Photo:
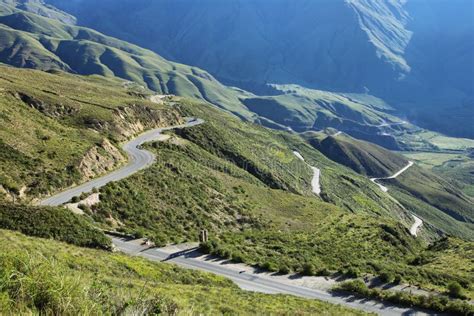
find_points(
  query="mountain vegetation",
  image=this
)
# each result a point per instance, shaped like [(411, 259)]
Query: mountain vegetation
[(362, 157), (33, 38), (52, 223), (81, 94), (416, 55), (48, 277), (52, 124)]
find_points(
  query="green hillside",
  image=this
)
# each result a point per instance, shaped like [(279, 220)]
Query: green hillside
[(48, 277), (362, 157), (53, 125), (236, 179), (458, 166), (436, 200), (390, 48), (305, 109), (244, 186), (29, 40)]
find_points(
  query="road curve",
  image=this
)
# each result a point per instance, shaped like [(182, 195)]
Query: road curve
[(315, 184), (257, 282), (384, 188), (138, 160), (418, 222)]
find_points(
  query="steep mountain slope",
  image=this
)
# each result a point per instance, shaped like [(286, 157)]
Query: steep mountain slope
[(32, 41), (417, 55), (362, 157), (252, 45), (238, 180), (433, 198), (60, 129), (302, 109), (38, 7)]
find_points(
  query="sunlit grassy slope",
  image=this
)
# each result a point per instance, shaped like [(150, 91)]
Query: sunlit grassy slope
[(49, 277), (49, 121), (33, 41), (361, 156)]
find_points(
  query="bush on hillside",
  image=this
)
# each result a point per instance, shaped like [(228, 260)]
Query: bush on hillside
[(436, 303), (52, 222), (455, 290)]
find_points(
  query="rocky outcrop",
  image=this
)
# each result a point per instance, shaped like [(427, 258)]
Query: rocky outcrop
[(134, 119), (100, 159)]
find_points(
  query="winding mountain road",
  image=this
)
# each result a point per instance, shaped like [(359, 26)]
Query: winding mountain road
[(384, 188), (138, 159), (418, 222), (316, 186)]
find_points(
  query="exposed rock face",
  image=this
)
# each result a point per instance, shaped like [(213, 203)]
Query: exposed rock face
[(133, 119), (100, 159), (89, 201), (4, 193)]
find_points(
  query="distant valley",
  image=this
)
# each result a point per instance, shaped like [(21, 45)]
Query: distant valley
[(286, 155)]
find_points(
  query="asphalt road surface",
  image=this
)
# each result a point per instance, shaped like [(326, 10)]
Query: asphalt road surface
[(138, 160), (258, 283)]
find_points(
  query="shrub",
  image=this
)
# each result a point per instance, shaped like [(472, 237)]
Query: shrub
[(387, 277), (352, 272), (398, 279), (138, 234), (270, 266), (455, 290), (323, 272), (284, 269), (75, 199), (308, 269), (237, 257), (441, 303), (356, 286)]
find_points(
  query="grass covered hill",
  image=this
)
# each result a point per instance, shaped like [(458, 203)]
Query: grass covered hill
[(245, 186), (436, 200), (239, 180), (304, 109), (49, 277), (53, 126), (361, 156), (30, 40), (34, 38), (52, 223)]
